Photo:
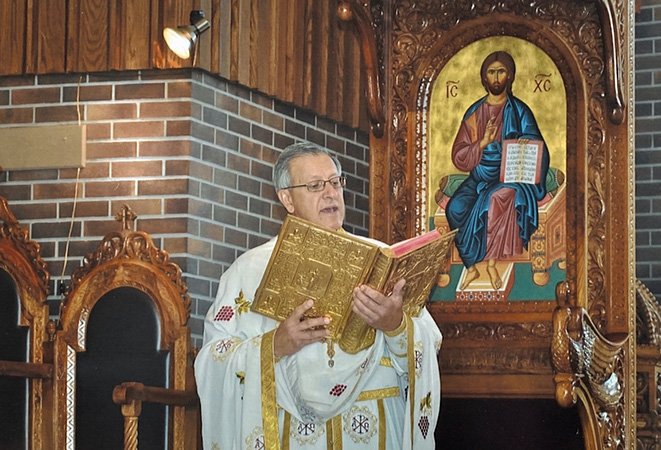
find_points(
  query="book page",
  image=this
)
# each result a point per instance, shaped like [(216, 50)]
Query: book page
[(521, 162), (407, 245)]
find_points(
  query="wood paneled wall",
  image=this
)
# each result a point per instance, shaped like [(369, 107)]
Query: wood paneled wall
[(298, 51)]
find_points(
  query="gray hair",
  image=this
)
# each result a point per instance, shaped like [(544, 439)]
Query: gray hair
[(281, 176)]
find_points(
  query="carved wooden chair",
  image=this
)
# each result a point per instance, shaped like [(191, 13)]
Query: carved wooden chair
[(648, 369), (26, 369), (123, 350)]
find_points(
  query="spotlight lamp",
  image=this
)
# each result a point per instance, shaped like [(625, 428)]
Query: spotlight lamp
[(182, 39)]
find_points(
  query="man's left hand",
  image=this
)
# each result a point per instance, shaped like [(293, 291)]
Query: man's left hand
[(377, 310)]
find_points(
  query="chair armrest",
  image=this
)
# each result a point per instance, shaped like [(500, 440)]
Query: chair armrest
[(26, 370), (132, 391)]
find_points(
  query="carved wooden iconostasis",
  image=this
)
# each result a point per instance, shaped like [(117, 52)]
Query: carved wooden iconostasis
[(556, 326)]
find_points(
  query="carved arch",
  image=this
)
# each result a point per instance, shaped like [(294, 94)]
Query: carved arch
[(20, 257), (127, 259)]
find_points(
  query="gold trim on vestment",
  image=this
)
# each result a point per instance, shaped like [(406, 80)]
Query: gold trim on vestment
[(385, 361), (411, 366), (397, 330), (334, 433), (269, 405), (286, 428), (378, 394), (382, 423)]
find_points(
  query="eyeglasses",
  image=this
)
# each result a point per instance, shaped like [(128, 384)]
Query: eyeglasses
[(319, 185)]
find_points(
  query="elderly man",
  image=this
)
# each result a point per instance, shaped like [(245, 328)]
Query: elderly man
[(265, 384)]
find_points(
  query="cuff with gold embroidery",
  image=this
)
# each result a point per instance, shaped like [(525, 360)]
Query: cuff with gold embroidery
[(397, 331)]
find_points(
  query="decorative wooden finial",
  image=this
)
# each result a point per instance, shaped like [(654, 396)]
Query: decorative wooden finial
[(127, 217)]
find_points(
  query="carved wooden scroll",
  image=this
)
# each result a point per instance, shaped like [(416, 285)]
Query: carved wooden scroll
[(589, 371), (349, 10), (648, 369)]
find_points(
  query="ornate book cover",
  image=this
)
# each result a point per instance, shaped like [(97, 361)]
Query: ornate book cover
[(521, 163), (313, 262)]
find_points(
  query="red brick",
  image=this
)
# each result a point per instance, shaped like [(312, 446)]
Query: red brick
[(163, 187), (139, 129), (227, 103), (165, 109), (139, 91), (137, 168), (273, 121), (16, 115), (15, 192), (81, 248), (101, 227), (176, 205), (67, 113), (58, 229), (110, 188), (53, 190), (32, 96), (178, 128), (199, 248), (201, 171), (96, 208), (141, 207), (165, 225), (164, 148), (30, 211), (175, 244), (4, 97), (178, 89), (212, 231), (33, 175), (250, 148), (19, 80), (91, 170), (107, 150), (250, 112), (88, 93), (177, 167), (112, 111), (98, 131)]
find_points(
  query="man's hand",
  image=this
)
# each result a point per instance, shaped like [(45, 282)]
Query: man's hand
[(295, 332), (489, 133), (380, 312)]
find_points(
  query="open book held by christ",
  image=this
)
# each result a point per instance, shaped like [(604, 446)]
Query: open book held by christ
[(521, 163), (310, 261)]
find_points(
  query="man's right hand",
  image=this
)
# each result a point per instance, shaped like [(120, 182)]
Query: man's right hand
[(295, 332), (489, 133)]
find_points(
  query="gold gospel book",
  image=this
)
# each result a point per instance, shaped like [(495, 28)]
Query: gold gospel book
[(310, 261)]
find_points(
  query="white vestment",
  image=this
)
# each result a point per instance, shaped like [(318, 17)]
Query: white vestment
[(366, 400)]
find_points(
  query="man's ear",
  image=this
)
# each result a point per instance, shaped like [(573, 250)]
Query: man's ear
[(285, 198)]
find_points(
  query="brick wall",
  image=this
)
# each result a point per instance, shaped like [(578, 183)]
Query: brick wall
[(648, 145), (190, 153)]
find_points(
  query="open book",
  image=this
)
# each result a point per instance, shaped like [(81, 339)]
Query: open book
[(310, 261), (521, 163)]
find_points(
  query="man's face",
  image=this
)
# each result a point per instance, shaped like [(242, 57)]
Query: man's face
[(498, 77), (325, 207)]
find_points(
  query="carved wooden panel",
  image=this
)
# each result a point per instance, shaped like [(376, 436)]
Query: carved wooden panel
[(298, 51), (493, 344)]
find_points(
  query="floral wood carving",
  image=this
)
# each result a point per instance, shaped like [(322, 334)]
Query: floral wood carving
[(648, 369), (648, 317), (19, 238), (589, 368), (422, 36), (349, 10)]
